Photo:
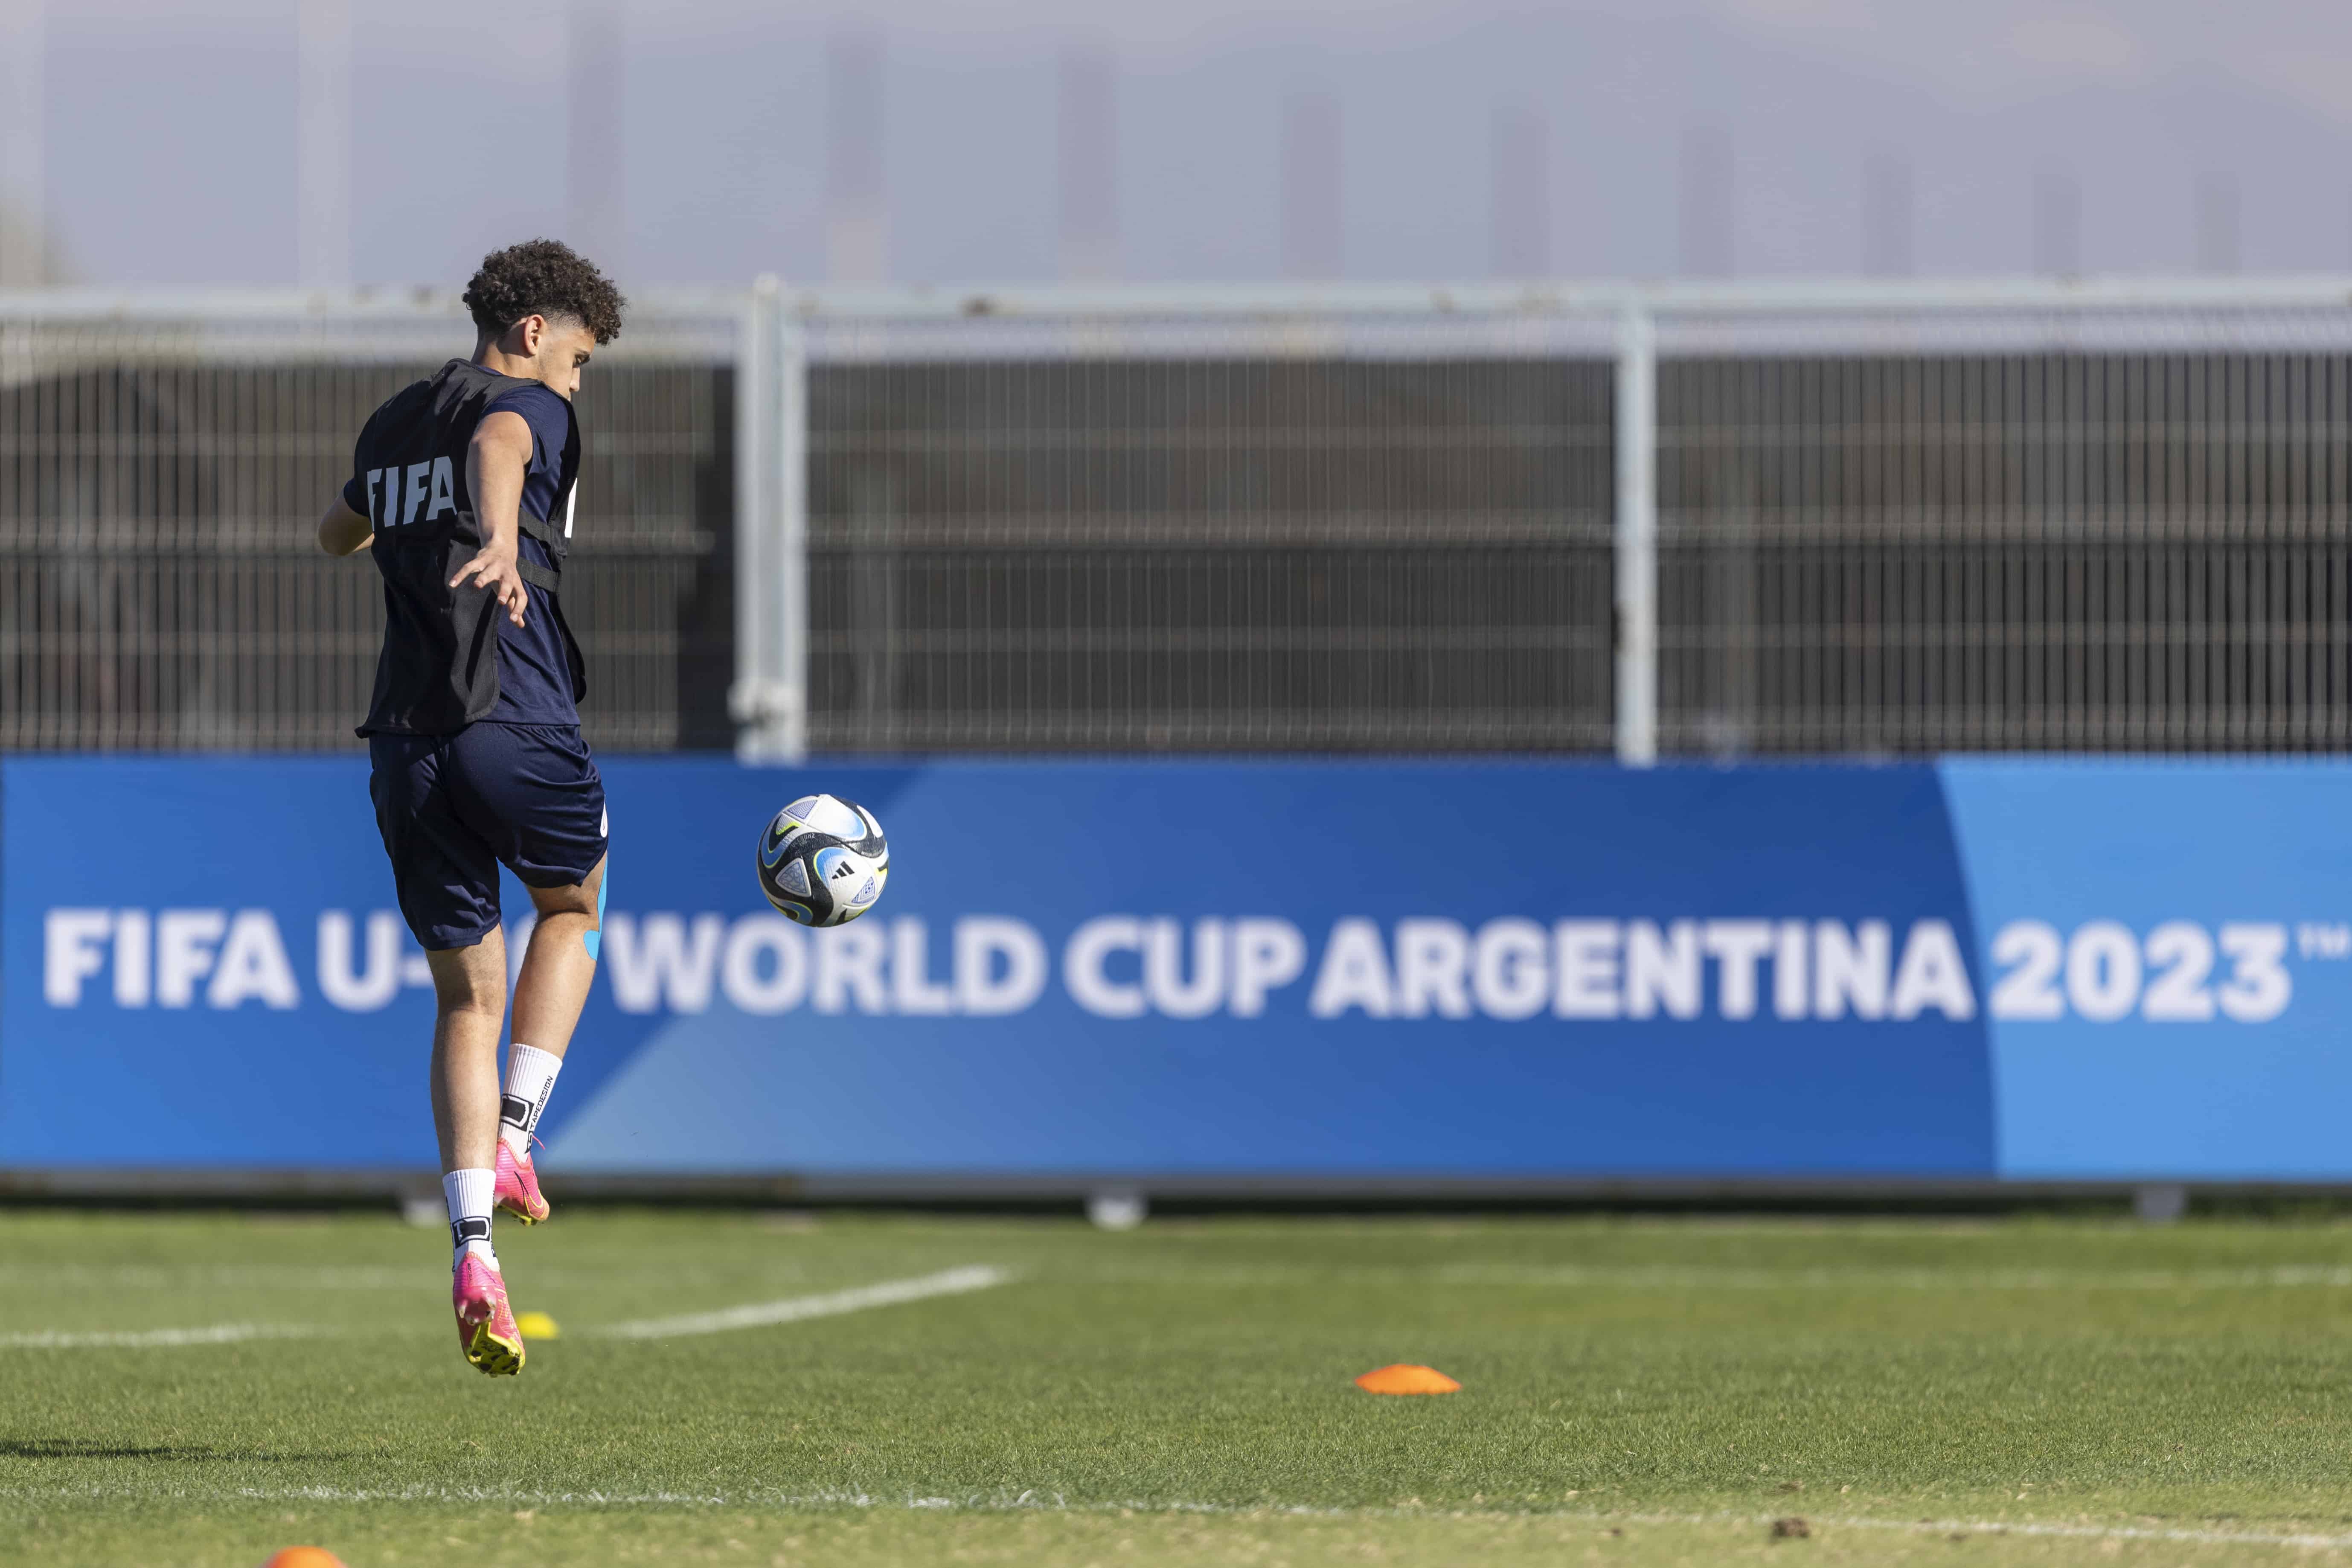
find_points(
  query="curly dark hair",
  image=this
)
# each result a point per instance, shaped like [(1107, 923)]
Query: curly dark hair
[(543, 278)]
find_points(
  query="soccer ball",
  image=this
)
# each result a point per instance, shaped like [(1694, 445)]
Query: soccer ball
[(823, 861)]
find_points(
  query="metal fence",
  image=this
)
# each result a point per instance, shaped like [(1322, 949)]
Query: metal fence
[(1659, 520), (2117, 530), (1681, 521), (1167, 536)]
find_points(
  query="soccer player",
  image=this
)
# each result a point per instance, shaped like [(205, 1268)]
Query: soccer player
[(461, 489)]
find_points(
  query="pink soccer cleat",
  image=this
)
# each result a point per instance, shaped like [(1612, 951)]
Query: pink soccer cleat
[(518, 1185), (486, 1325)]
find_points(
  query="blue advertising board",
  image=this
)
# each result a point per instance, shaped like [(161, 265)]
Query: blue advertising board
[(1976, 970)]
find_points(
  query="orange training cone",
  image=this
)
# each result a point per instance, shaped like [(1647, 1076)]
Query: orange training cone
[(304, 1557), (1406, 1378)]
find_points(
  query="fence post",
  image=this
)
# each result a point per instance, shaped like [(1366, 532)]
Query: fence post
[(769, 698), (1636, 538), (791, 538)]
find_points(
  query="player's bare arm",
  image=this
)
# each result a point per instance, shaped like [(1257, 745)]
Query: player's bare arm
[(342, 531), (495, 465)]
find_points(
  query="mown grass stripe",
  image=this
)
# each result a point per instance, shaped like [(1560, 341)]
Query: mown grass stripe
[(1036, 1501), (1614, 1276), (1707, 1279), (1603, 1277)]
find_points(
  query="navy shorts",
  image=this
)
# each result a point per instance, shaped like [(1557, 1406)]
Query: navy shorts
[(453, 808)]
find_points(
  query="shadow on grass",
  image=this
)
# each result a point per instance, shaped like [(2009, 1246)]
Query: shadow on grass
[(87, 1448)]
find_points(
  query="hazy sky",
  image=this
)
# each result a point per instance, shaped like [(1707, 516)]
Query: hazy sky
[(169, 153)]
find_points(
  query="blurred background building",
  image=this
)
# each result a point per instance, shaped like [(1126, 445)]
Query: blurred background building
[(262, 141)]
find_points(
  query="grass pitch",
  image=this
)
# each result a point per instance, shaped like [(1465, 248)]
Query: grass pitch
[(1634, 1392)]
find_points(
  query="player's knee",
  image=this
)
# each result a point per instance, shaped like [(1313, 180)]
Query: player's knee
[(464, 991), (486, 1009), (470, 979)]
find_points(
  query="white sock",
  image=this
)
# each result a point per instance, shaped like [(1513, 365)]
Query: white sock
[(531, 1078), (468, 1194)]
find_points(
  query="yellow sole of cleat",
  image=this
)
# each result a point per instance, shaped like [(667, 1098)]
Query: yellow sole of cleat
[(493, 1355)]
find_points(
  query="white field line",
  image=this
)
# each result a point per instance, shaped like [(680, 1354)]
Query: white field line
[(799, 1308), (279, 1281), (146, 1339), (793, 1309), (1033, 1500)]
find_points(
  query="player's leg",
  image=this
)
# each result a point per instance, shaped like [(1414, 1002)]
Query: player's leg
[(557, 966), (561, 963), (469, 991), (447, 879), (532, 792), (469, 988)]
